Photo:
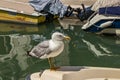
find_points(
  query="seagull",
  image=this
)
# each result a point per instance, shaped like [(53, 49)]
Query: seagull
[(49, 49)]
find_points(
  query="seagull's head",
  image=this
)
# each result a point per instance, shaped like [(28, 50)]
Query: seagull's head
[(59, 36)]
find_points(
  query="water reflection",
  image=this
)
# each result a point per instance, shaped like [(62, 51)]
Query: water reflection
[(84, 49), (96, 51), (102, 46), (15, 59), (16, 27)]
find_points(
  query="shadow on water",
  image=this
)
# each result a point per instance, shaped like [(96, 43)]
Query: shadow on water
[(84, 49)]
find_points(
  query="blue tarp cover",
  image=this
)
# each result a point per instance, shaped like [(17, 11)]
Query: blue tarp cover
[(54, 7), (110, 10)]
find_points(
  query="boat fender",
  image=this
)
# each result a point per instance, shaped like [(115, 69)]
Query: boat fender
[(106, 24)]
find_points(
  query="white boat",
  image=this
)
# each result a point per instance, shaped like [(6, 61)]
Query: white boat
[(77, 73), (103, 24), (106, 18)]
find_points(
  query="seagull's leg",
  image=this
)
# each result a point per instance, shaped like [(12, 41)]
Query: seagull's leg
[(50, 63), (55, 62), (56, 67), (52, 67)]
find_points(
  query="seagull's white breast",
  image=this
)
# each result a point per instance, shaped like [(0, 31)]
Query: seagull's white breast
[(56, 47)]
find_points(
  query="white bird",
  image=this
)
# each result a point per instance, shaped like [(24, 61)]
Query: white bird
[(50, 48)]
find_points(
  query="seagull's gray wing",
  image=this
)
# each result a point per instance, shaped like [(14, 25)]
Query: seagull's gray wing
[(41, 49)]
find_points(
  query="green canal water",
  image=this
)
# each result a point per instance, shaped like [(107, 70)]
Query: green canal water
[(84, 49)]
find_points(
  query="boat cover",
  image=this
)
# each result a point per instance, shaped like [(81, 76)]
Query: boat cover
[(105, 3), (54, 7), (110, 10)]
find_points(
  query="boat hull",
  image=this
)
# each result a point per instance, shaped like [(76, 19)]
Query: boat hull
[(21, 18), (96, 27)]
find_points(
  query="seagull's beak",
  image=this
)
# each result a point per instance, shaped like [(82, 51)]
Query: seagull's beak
[(67, 38)]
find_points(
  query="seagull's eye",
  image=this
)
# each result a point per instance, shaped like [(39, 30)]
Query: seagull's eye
[(60, 36)]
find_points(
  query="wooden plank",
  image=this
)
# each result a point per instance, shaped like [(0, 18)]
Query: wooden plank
[(20, 6)]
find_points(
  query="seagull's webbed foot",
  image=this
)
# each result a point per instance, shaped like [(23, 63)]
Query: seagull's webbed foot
[(54, 68)]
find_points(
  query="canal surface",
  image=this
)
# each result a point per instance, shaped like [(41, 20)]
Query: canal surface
[(84, 49)]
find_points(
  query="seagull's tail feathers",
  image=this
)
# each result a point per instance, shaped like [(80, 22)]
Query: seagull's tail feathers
[(28, 53)]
